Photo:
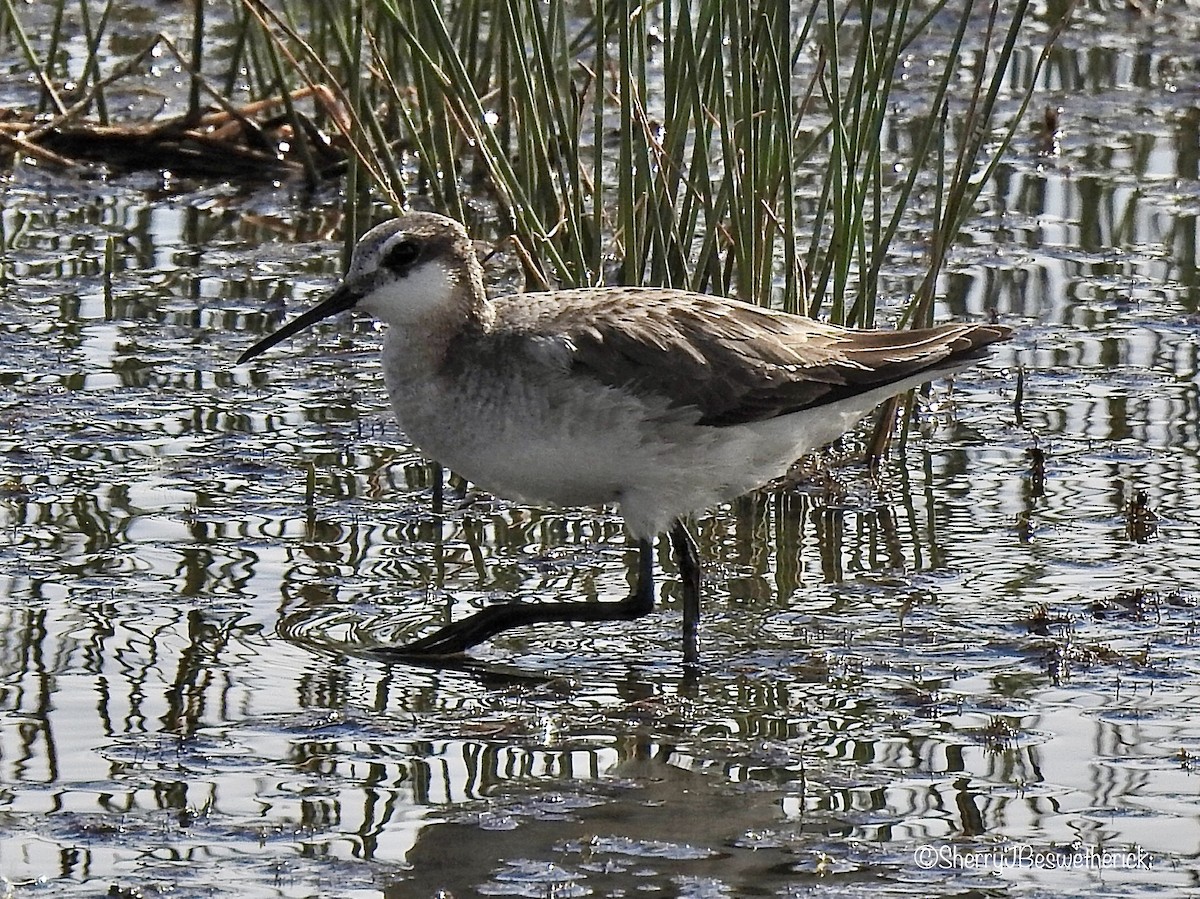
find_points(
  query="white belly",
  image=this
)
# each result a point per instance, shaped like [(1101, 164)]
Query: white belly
[(543, 435)]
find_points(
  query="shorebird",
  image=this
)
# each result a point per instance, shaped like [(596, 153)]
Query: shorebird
[(664, 402)]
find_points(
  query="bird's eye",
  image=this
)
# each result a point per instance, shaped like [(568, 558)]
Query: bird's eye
[(401, 255)]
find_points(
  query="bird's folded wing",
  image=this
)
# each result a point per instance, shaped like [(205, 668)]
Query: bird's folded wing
[(735, 362)]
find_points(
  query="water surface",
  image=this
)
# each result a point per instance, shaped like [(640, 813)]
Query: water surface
[(945, 679)]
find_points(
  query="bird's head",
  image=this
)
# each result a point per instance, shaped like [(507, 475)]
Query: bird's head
[(416, 271)]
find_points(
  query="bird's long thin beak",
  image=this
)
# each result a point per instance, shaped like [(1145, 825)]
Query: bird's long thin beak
[(339, 301)]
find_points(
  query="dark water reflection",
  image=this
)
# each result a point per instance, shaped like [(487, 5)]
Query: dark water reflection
[(971, 652)]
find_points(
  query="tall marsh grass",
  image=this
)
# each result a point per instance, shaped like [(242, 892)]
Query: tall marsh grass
[(743, 147), (740, 148)]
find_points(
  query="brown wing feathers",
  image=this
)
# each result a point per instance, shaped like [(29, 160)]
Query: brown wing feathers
[(739, 363), (734, 362)]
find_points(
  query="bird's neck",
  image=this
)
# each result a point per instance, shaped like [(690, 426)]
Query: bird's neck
[(422, 350)]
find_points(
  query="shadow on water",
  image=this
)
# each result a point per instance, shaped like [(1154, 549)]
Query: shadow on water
[(989, 648)]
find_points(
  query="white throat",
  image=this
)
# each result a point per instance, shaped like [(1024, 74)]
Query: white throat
[(428, 293)]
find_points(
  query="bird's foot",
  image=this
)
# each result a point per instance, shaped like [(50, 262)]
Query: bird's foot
[(459, 636)]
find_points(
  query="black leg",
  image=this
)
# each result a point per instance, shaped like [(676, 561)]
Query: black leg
[(687, 557), (439, 487), (460, 636)]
